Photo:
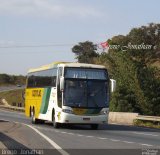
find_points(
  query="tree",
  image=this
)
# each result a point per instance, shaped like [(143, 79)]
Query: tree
[(12, 79), (128, 96), (136, 70), (85, 52), (138, 79), (147, 35)]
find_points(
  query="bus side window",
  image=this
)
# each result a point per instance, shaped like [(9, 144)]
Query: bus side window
[(59, 93), (54, 76), (31, 81), (60, 72)]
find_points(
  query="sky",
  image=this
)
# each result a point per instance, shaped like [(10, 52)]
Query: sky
[(39, 32)]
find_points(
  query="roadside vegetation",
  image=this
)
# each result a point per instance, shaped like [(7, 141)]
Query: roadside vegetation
[(135, 67), (150, 124), (13, 97), (6, 80)]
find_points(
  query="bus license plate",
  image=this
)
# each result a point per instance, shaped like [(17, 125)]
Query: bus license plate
[(86, 119)]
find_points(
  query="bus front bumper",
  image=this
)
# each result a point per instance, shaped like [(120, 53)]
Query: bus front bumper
[(82, 119)]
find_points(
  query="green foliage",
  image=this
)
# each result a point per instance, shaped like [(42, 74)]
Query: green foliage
[(13, 97), (150, 85), (136, 70), (145, 123), (128, 96), (85, 52), (149, 35), (12, 79), (138, 81)]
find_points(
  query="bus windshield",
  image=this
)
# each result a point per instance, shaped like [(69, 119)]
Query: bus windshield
[(86, 93), (86, 87), (86, 73)]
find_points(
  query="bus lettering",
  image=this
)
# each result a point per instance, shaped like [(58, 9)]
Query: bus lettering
[(36, 93)]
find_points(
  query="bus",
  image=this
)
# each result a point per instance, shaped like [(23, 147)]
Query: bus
[(68, 93)]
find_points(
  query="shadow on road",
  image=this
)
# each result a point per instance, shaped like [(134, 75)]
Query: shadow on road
[(13, 146), (107, 127), (11, 143), (117, 127)]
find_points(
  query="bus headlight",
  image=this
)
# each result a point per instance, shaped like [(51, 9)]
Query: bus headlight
[(67, 111), (104, 112)]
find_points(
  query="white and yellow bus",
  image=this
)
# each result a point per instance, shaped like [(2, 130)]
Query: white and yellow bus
[(70, 93)]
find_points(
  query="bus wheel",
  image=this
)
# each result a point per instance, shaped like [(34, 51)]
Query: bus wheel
[(55, 124), (34, 120), (94, 126)]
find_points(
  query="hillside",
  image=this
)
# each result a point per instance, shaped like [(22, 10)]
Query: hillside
[(6, 79)]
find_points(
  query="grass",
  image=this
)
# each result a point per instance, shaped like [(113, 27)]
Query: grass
[(6, 84), (145, 123), (13, 97)]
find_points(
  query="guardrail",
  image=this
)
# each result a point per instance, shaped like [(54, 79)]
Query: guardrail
[(21, 109), (123, 118), (148, 118), (115, 117), (127, 118)]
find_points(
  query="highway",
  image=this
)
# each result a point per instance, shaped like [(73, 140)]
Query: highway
[(81, 140), (9, 88)]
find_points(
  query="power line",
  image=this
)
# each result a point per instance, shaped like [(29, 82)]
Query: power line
[(40, 45), (35, 46)]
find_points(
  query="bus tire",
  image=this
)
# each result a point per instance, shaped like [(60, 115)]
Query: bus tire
[(94, 126), (55, 124), (34, 119)]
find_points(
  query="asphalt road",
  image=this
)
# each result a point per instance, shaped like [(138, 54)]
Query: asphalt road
[(109, 139), (8, 88)]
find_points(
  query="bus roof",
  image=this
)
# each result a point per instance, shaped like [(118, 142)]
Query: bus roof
[(65, 64)]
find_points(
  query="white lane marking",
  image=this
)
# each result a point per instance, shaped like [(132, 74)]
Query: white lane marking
[(55, 145), (90, 136), (114, 140), (146, 134), (80, 135), (59, 148), (46, 129), (146, 144), (63, 132), (128, 142), (101, 138), (54, 130), (71, 133)]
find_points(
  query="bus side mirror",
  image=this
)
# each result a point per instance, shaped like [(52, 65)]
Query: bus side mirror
[(61, 83), (113, 85)]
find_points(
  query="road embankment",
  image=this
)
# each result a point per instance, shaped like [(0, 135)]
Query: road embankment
[(17, 136), (20, 109), (13, 97)]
